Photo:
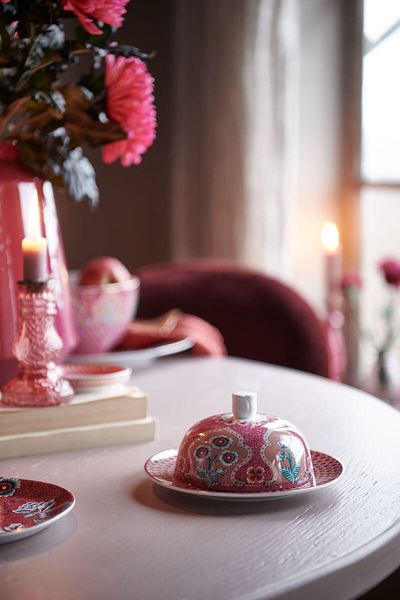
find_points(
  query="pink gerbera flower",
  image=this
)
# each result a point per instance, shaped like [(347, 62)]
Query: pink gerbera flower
[(87, 11), (130, 102)]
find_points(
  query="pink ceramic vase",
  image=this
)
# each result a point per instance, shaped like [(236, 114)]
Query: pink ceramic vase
[(17, 184)]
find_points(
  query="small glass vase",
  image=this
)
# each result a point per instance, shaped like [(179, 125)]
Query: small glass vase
[(384, 379)]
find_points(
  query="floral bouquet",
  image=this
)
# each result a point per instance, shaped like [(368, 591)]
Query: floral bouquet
[(390, 270), (52, 110), (384, 381)]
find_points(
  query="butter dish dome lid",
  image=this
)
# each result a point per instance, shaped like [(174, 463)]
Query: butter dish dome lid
[(244, 451)]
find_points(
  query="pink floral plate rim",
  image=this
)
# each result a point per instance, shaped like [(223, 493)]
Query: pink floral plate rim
[(28, 506), (135, 359), (160, 468)]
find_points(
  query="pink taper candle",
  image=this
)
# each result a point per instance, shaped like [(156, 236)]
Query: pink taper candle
[(333, 259)]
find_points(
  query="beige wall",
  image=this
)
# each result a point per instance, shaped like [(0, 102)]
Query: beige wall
[(133, 219)]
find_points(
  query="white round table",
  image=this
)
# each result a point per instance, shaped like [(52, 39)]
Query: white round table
[(129, 540)]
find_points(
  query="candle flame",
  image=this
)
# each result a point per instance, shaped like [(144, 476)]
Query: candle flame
[(330, 237), (33, 229)]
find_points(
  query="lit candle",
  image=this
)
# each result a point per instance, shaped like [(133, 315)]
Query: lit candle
[(34, 246), (333, 258)]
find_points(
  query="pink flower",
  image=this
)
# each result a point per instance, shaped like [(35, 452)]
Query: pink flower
[(87, 11), (351, 280), (391, 271), (255, 475), (130, 102)]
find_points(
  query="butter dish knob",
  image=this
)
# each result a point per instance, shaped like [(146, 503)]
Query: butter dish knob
[(244, 405)]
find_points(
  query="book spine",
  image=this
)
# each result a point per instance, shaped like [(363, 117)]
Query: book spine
[(97, 412), (74, 438)]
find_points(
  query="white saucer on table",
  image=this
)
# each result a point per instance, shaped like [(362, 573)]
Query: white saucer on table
[(160, 468)]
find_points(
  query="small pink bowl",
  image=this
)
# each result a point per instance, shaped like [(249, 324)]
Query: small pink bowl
[(88, 377), (244, 452), (103, 313)]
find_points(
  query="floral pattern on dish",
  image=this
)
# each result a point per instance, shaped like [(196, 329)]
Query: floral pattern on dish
[(292, 471), (213, 460), (37, 511), (8, 486), (255, 475), (33, 506), (12, 527), (265, 454)]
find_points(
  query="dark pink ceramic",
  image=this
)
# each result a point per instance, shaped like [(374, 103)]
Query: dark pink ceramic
[(17, 184), (27, 507), (243, 451)]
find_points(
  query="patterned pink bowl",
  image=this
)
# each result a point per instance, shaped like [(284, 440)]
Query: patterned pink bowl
[(244, 452), (103, 313)]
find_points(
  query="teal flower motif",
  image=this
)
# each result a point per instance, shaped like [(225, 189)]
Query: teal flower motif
[(292, 471), (209, 474)]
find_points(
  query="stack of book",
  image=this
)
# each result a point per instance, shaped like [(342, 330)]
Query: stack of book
[(90, 419)]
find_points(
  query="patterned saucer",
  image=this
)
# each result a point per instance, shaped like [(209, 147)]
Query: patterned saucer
[(160, 468), (27, 507)]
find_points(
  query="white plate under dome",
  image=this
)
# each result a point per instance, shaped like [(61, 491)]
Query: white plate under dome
[(160, 468)]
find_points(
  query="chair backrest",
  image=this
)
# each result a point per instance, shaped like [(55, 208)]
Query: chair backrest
[(259, 317)]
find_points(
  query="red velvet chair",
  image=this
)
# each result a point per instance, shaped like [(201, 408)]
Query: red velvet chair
[(259, 317)]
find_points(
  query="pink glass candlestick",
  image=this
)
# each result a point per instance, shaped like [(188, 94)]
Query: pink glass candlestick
[(37, 347), (17, 187)]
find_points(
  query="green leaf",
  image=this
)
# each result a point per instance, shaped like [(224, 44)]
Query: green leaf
[(217, 474), (127, 51), (296, 472), (95, 83), (76, 48), (5, 38), (84, 37), (53, 37), (287, 473), (50, 38), (95, 133), (9, 11), (80, 178), (83, 123), (50, 58), (42, 80), (53, 98)]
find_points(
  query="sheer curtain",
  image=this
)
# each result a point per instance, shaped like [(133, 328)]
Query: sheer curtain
[(235, 99)]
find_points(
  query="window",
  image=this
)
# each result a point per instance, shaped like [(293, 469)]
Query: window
[(380, 150)]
